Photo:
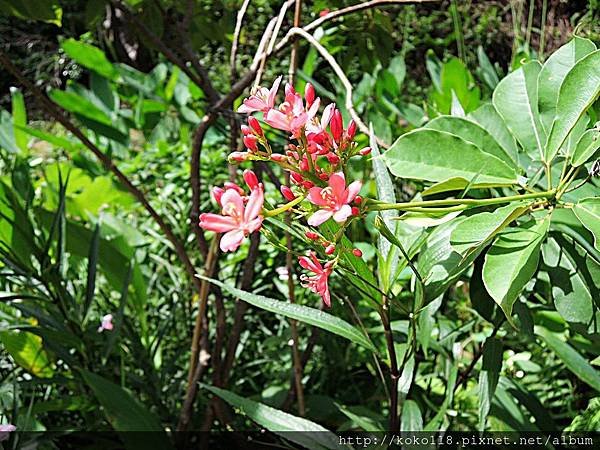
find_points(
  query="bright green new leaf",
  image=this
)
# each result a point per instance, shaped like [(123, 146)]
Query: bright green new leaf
[(90, 57), (437, 156), (19, 117), (578, 91), (473, 133), (516, 100), (586, 147), (309, 434), (27, 351), (301, 313), (511, 262), (576, 363), (587, 211), (411, 419), (553, 73), (77, 104)]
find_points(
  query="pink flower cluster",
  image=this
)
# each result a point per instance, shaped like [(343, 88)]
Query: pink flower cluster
[(316, 159)]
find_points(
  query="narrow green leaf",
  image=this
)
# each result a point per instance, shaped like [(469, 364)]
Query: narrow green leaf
[(90, 57), (310, 435), (587, 211), (77, 104), (437, 156), (586, 147), (576, 363), (92, 268), (19, 118), (411, 419), (578, 91), (516, 100), (471, 132), (366, 422), (511, 262), (488, 377), (301, 313)]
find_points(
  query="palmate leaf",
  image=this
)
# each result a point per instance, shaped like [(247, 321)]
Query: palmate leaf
[(578, 91), (511, 262), (296, 429), (434, 155), (301, 313)]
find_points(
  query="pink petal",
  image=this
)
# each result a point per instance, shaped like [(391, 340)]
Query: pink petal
[(277, 120), (232, 199), (323, 289), (217, 223), (309, 264), (352, 191), (314, 109), (315, 197), (231, 240), (254, 224), (327, 113), (252, 104), (255, 204), (342, 214), (337, 182), (319, 217), (273, 91)]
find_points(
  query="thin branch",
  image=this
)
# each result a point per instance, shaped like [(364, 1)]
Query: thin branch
[(236, 37), (54, 111)]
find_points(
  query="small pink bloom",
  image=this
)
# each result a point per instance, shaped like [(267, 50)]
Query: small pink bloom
[(262, 100), (217, 193), (246, 130), (318, 282), (356, 252), (330, 249), (323, 12), (106, 323), (333, 158), (237, 220), (5, 430), (333, 200), (291, 115)]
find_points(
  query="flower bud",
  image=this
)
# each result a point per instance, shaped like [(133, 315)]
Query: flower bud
[(311, 235), (358, 200), (296, 177), (365, 151), (323, 176), (251, 179), (304, 165), (333, 158), (246, 130), (217, 193), (351, 132), (355, 211), (308, 184), (309, 94), (238, 157), (336, 126), (330, 249), (255, 125), (356, 252), (287, 193), (277, 157), (250, 142)]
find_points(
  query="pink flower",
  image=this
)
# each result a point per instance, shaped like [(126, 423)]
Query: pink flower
[(262, 100), (106, 323), (291, 115), (333, 200), (5, 430), (318, 282), (236, 220)]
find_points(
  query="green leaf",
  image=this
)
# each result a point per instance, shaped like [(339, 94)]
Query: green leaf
[(43, 10), (586, 147), (478, 229), (437, 156), (587, 211), (511, 262), (77, 104), (27, 351), (473, 133), (301, 313), (576, 363), (515, 98), (553, 73), (19, 118), (57, 141), (578, 91), (90, 57), (364, 421), (411, 419), (309, 434), (92, 262), (489, 119), (7, 134), (488, 377), (589, 420)]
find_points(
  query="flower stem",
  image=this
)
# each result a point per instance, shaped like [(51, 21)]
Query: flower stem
[(283, 208), (375, 205)]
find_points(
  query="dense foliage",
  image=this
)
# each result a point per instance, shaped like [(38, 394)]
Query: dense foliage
[(416, 245)]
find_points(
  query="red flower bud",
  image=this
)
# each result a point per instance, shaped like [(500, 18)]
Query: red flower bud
[(296, 177), (351, 132), (255, 125), (336, 125), (311, 235), (250, 179), (357, 200), (365, 151), (355, 211), (238, 157), (333, 158), (323, 176), (217, 193), (250, 142), (303, 165), (308, 184), (278, 157), (287, 193), (246, 130), (309, 94), (330, 249), (356, 252)]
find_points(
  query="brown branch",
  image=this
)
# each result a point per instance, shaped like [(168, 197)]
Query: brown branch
[(54, 111)]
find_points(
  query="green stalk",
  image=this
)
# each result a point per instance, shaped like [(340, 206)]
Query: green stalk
[(374, 205), (284, 208)]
